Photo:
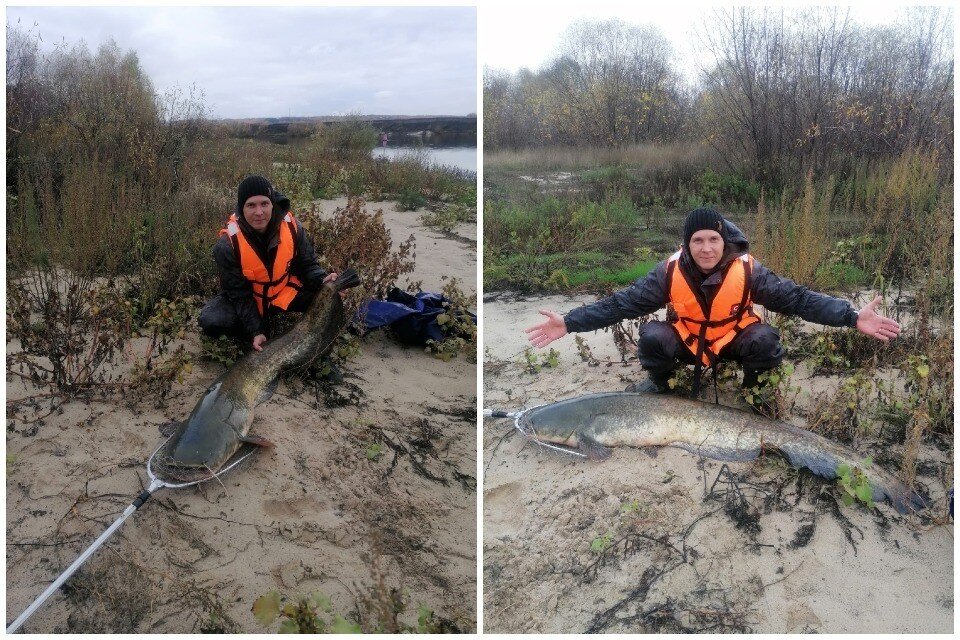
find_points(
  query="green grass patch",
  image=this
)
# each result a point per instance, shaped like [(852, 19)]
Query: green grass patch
[(560, 272), (842, 277), (604, 275)]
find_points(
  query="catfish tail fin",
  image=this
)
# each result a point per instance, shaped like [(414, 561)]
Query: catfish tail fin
[(346, 280), (904, 499)]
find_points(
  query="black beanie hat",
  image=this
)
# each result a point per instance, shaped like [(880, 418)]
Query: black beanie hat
[(253, 186), (701, 219)]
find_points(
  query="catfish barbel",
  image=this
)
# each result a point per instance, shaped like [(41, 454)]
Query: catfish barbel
[(221, 421), (592, 423)]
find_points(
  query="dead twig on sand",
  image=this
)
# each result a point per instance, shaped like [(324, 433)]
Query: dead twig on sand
[(509, 434)]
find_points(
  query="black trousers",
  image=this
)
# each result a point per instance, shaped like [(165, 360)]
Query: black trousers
[(219, 317), (661, 350)]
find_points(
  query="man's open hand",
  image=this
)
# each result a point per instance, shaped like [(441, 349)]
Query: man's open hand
[(875, 325), (258, 341), (546, 332)]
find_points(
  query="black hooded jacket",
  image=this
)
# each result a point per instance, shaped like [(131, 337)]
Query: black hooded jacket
[(648, 294), (234, 284)]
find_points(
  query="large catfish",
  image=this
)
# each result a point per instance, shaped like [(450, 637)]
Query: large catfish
[(592, 423), (220, 423)]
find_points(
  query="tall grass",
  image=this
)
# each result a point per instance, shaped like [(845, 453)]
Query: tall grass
[(899, 235), (793, 236), (650, 157)]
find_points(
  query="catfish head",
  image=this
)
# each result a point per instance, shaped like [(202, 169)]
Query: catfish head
[(214, 430)]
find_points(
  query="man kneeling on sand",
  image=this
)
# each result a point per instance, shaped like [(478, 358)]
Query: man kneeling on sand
[(266, 263), (709, 287)]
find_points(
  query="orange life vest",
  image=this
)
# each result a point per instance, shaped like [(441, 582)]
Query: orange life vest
[(730, 312), (273, 285)]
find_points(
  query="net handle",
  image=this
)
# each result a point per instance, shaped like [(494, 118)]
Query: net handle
[(136, 504)]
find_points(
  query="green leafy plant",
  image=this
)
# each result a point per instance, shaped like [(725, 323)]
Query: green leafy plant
[(530, 363), (533, 363), (446, 216), (601, 543), (309, 614), (222, 349), (551, 359), (294, 180), (346, 348), (457, 325), (374, 451), (770, 395), (854, 484), (379, 609), (583, 350), (826, 356), (410, 199), (634, 507)]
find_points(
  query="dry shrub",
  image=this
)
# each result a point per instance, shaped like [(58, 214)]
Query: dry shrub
[(348, 138), (68, 326), (110, 595), (353, 237), (792, 236), (380, 607), (904, 203), (223, 162)]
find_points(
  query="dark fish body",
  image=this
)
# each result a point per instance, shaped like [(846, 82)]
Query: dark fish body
[(220, 422), (594, 422)]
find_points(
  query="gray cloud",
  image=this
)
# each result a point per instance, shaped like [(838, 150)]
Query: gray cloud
[(301, 61)]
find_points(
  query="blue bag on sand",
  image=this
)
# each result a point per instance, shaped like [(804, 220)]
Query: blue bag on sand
[(413, 318)]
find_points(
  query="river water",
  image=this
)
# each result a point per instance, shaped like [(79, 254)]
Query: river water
[(455, 157)]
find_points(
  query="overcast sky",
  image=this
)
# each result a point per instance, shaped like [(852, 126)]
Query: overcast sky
[(517, 36), (300, 61)]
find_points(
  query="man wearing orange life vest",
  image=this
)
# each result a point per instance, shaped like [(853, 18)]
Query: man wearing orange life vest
[(266, 265), (709, 287)]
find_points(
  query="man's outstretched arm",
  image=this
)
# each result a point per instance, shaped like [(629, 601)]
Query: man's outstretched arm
[(783, 295), (644, 296)]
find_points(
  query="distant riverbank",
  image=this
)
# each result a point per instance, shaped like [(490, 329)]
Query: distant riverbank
[(456, 157)]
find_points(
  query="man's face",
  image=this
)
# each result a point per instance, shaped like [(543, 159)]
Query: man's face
[(257, 211), (706, 247)]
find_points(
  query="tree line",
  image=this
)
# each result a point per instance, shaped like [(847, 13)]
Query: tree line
[(779, 91)]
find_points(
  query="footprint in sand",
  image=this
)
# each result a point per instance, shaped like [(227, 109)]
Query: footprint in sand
[(503, 510)]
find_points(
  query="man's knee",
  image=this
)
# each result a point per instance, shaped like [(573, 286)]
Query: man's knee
[(657, 345), (760, 347), (218, 317)]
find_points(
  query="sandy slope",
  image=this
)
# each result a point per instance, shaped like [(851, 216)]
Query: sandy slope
[(690, 546), (315, 513)]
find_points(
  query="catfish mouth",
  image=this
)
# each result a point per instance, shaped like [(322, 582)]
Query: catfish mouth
[(192, 461), (176, 463)]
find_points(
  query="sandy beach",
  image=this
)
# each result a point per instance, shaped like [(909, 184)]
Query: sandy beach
[(668, 542), (372, 482)]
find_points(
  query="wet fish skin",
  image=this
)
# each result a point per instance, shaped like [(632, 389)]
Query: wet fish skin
[(592, 423), (221, 420)]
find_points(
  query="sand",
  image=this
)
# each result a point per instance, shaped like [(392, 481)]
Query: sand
[(316, 513), (672, 543)]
